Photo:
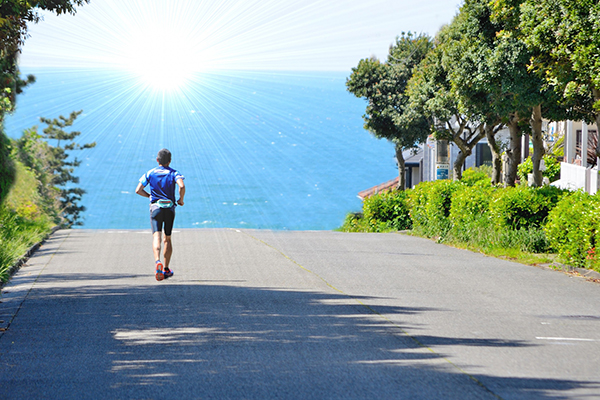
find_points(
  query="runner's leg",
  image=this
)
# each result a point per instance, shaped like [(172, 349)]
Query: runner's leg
[(168, 250), (156, 239), (156, 221), (168, 218)]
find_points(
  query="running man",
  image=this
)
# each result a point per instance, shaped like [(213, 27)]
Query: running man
[(163, 181)]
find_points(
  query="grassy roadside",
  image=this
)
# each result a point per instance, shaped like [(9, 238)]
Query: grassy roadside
[(512, 254), (544, 226), (24, 220), (543, 260)]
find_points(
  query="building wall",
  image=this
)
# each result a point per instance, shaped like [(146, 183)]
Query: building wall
[(471, 161)]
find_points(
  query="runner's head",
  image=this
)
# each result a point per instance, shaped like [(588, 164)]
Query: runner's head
[(164, 157)]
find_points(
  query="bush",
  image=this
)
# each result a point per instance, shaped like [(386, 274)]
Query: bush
[(472, 224), (7, 168), (354, 222), (523, 207), (480, 176), (552, 171), (469, 204), (481, 235), (429, 204), (475, 213), (23, 219), (573, 229), (387, 211)]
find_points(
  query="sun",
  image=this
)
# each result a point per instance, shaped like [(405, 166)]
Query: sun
[(161, 57)]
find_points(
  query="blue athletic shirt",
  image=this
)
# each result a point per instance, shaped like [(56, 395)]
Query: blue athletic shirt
[(162, 182)]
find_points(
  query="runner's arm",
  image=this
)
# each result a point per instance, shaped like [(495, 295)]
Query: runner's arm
[(140, 190), (181, 191)]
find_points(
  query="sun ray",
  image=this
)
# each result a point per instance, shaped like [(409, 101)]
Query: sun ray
[(261, 146)]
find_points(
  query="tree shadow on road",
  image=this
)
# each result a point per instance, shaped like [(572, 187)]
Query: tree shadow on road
[(182, 340)]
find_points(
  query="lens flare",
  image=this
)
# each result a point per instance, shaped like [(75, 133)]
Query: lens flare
[(160, 58)]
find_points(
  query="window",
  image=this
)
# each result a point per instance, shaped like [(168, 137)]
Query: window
[(483, 155)]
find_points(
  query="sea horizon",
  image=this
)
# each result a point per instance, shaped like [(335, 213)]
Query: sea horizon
[(282, 150)]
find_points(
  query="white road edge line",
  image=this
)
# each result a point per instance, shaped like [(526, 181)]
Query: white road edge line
[(572, 339)]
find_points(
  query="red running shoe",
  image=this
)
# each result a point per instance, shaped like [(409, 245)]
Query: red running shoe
[(159, 271), (167, 273)]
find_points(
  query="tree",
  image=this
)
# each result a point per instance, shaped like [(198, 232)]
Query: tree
[(488, 69), (564, 36), (62, 168), (431, 94), (14, 17), (383, 85), (53, 165)]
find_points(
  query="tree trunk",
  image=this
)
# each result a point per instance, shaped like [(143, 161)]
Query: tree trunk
[(513, 152), (490, 133), (538, 144), (466, 149), (458, 163), (401, 168)]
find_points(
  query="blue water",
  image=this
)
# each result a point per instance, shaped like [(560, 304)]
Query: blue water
[(267, 150)]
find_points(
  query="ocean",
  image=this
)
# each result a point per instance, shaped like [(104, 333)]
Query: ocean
[(258, 149)]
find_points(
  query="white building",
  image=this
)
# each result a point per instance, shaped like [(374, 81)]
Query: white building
[(577, 172), (579, 169)]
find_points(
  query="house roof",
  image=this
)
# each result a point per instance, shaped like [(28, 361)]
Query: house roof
[(410, 160), (386, 186)]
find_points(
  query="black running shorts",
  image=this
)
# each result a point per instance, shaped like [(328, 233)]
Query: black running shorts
[(162, 218)]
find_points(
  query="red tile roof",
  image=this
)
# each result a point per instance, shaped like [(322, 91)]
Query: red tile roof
[(387, 186)]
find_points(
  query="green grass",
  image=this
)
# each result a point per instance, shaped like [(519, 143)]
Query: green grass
[(514, 251), (16, 237), (24, 221)]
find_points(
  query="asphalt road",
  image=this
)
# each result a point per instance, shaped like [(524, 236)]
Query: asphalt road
[(292, 315)]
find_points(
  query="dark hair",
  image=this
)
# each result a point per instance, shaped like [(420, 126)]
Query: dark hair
[(164, 157)]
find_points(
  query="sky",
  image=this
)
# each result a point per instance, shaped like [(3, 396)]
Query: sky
[(152, 36)]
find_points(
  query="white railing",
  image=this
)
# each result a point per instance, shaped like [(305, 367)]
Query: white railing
[(574, 177)]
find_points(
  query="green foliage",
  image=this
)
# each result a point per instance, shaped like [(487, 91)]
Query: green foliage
[(430, 204), (480, 176), (17, 235), (523, 207), (565, 38), (460, 213), (481, 236), (14, 16), (24, 198), (383, 85), (552, 171), (54, 166), (24, 219), (382, 212), (474, 224), (354, 222), (387, 211), (469, 204), (573, 229), (28, 214), (7, 168)]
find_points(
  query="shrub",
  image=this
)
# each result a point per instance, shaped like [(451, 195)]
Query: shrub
[(573, 229), (429, 204), (7, 168), (552, 171), (23, 221), (480, 176), (354, 222), (387, 211), (483, 236), (469, 204), (523, 207)]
